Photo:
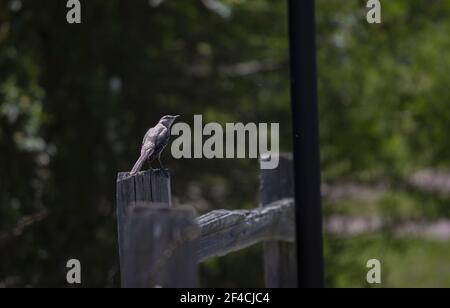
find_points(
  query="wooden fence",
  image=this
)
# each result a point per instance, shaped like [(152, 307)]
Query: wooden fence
[(161, 246)]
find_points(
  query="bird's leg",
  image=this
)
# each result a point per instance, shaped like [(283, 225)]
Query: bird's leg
[(160, 163), (150, 164)]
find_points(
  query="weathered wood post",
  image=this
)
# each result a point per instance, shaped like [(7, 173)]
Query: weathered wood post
[(160, 248), (143, 203), (152, 186), (280, 262)]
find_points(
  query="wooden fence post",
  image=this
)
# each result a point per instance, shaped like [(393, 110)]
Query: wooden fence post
[(152, 186), (160, 248), (280, 262)]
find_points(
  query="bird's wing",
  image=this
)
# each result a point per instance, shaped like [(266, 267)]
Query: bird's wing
[(151, 138), (153, 132), (162, 139), (148, 147)]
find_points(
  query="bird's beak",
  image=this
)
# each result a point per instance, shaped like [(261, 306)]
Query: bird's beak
[(177, 116)]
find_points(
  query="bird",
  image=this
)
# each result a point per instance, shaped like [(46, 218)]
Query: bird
[(154, 142)]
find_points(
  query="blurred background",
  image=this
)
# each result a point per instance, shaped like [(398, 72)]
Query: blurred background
[(75, 101)]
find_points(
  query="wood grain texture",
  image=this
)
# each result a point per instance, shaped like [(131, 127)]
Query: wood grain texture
[(224, 231), (149, 187), (160, 247), (280, 261)]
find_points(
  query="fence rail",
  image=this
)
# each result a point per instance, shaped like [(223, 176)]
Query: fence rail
[(161, 246), (224, 231)]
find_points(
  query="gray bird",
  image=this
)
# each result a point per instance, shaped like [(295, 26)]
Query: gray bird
[(155, 140)]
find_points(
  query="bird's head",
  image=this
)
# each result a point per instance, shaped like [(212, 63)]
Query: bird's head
[(168, 120)]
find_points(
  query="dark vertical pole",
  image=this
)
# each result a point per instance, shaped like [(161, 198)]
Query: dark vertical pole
[(306, 143)]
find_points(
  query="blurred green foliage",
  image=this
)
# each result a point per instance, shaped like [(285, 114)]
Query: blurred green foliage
[(75, 101)]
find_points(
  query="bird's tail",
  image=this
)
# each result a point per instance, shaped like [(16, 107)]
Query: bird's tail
[(138, 165)]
